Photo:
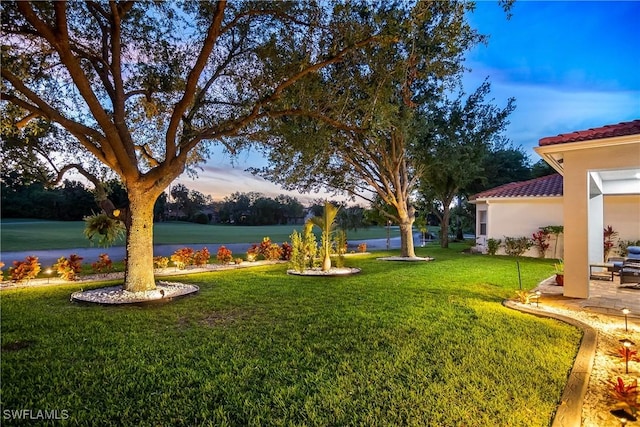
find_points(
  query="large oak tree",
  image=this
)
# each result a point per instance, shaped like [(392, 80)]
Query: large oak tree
[(141, 88)]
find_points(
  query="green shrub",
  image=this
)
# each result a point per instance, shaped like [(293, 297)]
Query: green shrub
[(493, 245), (298, 259), (624, 244), (516, 246), (339, 247), (303, 249)]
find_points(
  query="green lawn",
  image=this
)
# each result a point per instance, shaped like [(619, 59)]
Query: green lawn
[(399, 344), (32, 235)]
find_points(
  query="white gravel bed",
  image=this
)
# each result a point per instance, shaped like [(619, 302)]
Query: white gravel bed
[(334, 271), (406, 258), (117, 295)]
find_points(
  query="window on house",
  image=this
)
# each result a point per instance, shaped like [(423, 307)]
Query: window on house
[(483, 223)]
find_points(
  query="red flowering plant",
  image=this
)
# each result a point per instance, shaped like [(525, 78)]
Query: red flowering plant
[(265, 247), (286, 250), (608, 234), (626, 394), (103, 264), (201, 257), (25, 270), (273, 252), (160, 261), (183, 257), (224, 255), (253, 252), (68, 269), (541, 242)]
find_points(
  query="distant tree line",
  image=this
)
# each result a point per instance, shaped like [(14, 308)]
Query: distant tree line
[(72, 200)]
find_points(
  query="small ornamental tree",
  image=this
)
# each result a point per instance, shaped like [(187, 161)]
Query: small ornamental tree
[(326, 223)]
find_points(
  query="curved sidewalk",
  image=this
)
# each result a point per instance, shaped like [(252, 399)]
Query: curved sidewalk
[(569, 411)]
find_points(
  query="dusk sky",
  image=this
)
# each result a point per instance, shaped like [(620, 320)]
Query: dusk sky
[(569, 65)]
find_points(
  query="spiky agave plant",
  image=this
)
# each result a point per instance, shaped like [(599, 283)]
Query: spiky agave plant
[(326, 223), (108, 230)]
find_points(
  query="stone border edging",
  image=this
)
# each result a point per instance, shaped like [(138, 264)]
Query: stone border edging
[(569, 412)]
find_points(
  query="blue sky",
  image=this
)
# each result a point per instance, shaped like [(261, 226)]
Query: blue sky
[(570, 66)]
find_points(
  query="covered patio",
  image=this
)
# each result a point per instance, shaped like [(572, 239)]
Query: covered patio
[(606, 297), (595, 163)]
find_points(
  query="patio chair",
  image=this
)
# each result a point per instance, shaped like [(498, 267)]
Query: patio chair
[(633, 253), (630, 270)]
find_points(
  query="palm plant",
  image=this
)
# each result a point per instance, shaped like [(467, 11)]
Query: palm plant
[(326, 223), (108, 229)]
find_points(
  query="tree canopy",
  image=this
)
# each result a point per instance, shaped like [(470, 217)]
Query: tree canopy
[(141, 88), (453, 140), (371, 102)]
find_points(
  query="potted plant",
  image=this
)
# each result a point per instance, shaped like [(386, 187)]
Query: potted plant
[(559, 266)]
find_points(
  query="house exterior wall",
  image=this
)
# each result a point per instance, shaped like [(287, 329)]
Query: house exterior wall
[(622, 212), (518, 217), (576, 165)]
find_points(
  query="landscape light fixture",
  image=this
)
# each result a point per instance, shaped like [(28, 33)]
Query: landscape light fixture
[(48, 272), (538, 294), (627, 345), (623, 416), (625, 311)]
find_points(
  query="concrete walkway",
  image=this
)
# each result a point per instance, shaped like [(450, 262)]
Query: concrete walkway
[(606, 297)]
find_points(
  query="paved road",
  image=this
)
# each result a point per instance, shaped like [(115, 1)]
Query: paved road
[(49, 257)]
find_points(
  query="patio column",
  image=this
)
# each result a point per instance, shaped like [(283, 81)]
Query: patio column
[(595, 219), (577, 207)]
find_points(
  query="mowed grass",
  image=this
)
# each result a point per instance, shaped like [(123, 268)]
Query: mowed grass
[(399, 344), (38, 235)]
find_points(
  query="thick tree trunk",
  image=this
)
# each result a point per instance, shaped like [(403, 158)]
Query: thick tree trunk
[(139, 265), (406, 238)]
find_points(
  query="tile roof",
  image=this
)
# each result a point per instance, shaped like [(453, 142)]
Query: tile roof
[(550, 185), (609, 131)]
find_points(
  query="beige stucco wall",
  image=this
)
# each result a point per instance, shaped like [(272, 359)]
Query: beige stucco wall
[(576, 165), (522, 216), (622, 212)]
